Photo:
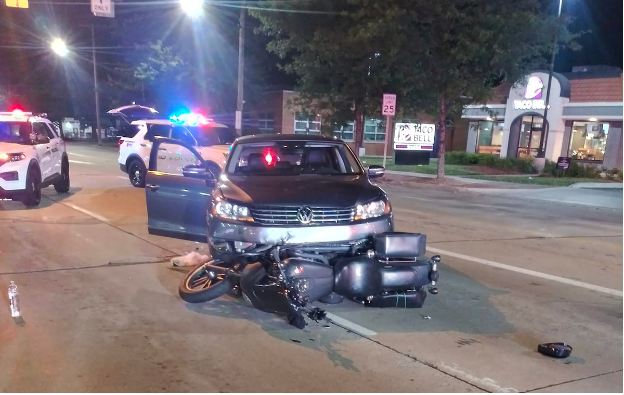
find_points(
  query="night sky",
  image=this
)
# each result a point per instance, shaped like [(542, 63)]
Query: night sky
[(27, 66)]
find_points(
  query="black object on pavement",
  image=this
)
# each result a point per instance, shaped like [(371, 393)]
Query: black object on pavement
[(555, 350)]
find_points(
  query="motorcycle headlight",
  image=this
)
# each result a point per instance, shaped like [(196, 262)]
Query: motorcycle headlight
[(231, 211), (373, 209)]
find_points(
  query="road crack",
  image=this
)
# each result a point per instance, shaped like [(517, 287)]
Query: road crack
[(573, 381)]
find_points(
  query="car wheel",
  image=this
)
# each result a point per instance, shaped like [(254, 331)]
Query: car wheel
[(62, 186), (136, 172), (32, 195)]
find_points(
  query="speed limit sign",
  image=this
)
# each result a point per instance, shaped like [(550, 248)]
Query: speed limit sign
[(389, 104)]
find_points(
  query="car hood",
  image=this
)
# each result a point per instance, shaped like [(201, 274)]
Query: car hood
[(215, 148), (302, 190)]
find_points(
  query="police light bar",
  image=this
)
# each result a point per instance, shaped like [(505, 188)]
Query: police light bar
[(17, 114), (190, 119)]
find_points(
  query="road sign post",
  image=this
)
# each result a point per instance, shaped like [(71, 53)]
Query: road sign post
[(388, 108), (104, 8)]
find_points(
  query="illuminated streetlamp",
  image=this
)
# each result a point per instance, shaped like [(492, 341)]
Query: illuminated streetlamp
[(59, 47), (192, 8)]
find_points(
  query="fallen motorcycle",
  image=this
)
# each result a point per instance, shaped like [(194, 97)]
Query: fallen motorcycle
[(385, 270)]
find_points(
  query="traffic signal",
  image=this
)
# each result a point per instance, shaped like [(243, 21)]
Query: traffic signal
[(17, 3)]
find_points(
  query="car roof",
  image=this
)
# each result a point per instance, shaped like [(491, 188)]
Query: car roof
[(168, 122), (267, 138)]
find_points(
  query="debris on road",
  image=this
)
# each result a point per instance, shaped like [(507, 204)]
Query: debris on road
[(555, 350), (426, 317), (190, 259)]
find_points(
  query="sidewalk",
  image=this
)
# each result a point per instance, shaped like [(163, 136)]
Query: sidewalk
[(591, 194)]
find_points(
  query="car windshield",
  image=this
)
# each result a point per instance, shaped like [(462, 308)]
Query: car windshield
[(14, 132), (212, 135), (292, 158)]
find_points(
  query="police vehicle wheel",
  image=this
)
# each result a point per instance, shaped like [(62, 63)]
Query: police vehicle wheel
[(204, 283), (136, 172), (63, 185), (32, 195)]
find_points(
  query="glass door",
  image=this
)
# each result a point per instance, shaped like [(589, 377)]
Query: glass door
[(531, 130)]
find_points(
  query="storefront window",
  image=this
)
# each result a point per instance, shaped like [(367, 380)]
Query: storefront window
[(588, 140), (489, 137), (305, 124), (345, 132), (530, 135), (374, 130)]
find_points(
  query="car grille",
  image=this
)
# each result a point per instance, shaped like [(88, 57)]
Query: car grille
[(275, 215)]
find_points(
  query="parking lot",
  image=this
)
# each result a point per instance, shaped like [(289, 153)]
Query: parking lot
[(101, 310)]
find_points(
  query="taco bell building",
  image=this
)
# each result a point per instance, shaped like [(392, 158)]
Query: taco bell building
[(584, 119)]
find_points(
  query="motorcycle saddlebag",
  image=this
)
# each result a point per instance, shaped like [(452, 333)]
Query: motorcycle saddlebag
[(394, 245), (406, 299)]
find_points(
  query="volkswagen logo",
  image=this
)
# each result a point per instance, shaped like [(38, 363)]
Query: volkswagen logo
[(304, 215)]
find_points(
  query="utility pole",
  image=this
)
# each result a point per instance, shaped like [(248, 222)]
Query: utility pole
[(241, 70), (98, 127), (545, 124)]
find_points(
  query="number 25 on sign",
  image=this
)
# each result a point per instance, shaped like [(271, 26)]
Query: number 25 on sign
[(389, 104)]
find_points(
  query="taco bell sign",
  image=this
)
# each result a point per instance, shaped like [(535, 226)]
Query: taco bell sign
[(532, 95)]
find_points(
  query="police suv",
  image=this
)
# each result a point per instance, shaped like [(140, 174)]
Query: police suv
[(32, 156), (211, 139)]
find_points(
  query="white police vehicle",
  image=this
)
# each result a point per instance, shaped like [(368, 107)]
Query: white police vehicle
[(211, 139), (32, 156)]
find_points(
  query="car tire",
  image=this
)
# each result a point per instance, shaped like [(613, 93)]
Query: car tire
[(32, 193), (62, 186), (223, 284), (136, 173)]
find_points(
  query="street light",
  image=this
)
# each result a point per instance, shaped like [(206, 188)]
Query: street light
[(59, 47), (192, 8)]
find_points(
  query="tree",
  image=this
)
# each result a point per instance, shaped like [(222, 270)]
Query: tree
[(455, 52), (436, 55), (340, 71)]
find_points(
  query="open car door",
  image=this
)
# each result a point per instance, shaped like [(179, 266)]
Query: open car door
[(177, 190)]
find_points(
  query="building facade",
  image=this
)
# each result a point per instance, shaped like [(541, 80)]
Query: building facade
[(584, 119)]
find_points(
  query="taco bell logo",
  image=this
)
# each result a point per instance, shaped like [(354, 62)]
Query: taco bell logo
[(533, 89)]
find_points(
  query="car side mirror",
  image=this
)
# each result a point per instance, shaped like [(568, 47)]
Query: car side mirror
[(375, 171), (199, 172)]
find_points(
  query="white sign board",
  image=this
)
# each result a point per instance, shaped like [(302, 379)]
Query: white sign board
[(105, 8), (389, 104), (414, 136)]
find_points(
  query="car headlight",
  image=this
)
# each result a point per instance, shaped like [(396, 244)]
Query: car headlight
[(373, 209), (231, 211)]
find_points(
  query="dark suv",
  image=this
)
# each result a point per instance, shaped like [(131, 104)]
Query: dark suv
[(296, 189)]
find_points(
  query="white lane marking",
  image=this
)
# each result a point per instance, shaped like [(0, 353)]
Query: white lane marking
[(84, 156), (122, 177), (417, 198), (81, 162), (528, 272), (87, 212), (352, 326), (485, 382)]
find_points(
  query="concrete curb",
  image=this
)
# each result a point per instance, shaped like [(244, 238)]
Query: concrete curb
[(597, 185)]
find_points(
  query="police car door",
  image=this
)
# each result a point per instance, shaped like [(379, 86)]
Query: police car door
[(44, 151), (177, 191)]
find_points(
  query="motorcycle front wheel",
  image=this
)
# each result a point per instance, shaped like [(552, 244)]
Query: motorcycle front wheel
[(204, 283)]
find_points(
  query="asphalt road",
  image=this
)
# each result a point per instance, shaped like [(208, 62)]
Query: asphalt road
[(101, 311)]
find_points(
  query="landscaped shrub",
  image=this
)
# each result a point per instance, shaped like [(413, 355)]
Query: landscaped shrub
[(575, 170), (523, 165)]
